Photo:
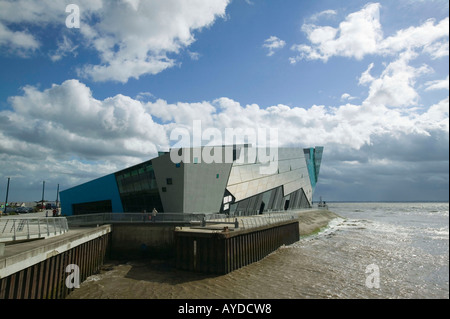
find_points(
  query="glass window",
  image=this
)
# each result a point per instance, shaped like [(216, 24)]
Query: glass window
[(169, 181)]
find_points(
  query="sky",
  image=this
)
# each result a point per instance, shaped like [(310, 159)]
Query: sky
[(90, 87)]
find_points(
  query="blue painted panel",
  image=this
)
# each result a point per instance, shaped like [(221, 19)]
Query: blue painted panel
[(103, 188)]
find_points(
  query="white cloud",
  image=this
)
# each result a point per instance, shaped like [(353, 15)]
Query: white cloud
[(437, 85), (194, 55), (365, 76), (348, 97), (17, 41), (395, 86), (76, 137), (273, 43), (325, 13), (144, 96), (26, 15), (67, 119), (355, 37), (437, 50), (64, 47), (139, 44), (360, 34), (422, 36), (131, 37), (436, 117)]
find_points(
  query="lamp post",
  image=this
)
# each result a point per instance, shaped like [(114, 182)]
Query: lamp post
[(57, 196), (42, 201), (6, 200)]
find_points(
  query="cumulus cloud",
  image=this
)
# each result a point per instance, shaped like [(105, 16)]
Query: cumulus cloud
[(423, 36), (18, 17), (17, 41), (65, 132), (355, 37), (147, 33), (395, 86), (273, 43), (68, 120), (131, 37), (360, 34)]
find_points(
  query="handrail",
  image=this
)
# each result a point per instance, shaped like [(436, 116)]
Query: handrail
[(108, 218), (12, 229), (199, 219), (252, 221)]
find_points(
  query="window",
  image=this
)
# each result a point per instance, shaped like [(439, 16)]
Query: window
[(169, 181), (164, 189)]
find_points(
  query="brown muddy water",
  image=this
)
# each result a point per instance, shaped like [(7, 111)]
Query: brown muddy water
[(377, 250)]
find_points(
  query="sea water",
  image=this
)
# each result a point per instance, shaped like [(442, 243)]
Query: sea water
[(376, 250)]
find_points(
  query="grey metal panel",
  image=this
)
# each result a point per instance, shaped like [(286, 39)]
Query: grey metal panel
[(172, 199), (205, 186), (206, 173), (273, 195), (197, 186), (247, 180)]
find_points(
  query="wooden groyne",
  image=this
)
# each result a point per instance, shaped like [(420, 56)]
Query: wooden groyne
[(222, 251)]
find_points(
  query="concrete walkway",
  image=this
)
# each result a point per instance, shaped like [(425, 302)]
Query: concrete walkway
[(22, 255)]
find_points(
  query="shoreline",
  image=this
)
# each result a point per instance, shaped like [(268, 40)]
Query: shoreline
[(311, 222)]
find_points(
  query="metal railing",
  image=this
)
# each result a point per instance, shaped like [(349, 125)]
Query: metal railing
[(109, 218), (12, 229), (253, 221), (197, 219)]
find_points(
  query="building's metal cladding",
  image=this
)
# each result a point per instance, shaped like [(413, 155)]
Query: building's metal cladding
[(234, 180)]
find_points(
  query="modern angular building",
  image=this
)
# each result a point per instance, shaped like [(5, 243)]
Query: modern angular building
[(234, 180)]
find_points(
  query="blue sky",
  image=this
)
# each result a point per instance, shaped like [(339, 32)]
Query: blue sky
[(366, 80)]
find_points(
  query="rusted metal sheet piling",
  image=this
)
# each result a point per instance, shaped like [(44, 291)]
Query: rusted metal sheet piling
[(221, 252)]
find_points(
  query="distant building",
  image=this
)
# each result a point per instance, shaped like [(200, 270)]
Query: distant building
[(240, 181)]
